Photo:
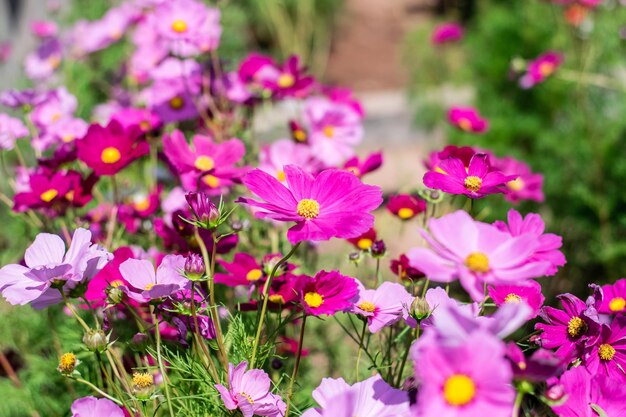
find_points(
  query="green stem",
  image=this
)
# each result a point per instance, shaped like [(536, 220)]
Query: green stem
[(98, 390), (518, 404), (358, 356), (71, 308), (295, 367), (266, 289), (157, 332)]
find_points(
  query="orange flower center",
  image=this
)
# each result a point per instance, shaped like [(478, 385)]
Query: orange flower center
[(405, 213), (211, 180), (177, 103), (513, 298), (515, 185), (576, 327), (286, 80), (367, 306), (329, 131), (465, 124)]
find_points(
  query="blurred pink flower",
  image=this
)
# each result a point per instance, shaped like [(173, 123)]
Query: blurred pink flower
[(447, 33), (539, 69), (467, 119)]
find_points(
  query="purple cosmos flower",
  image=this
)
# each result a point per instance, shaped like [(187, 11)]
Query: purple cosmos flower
[(10, 130), (549, 243), (369, 164), (476, 253), (16, 98), (447, 33), (588, 394), (333, 204), (406, 206), (541, 68), (540, 366), (607, 356), (383, 306), (370, 398), (145, 284), (327, 293), (42, 63), (614, 300), (569, 330), (467, 119), (529, 293), (49, 269), (249, 391), (475, 181), (527, 185), (471, 379), (173, 100), (334, 130), (284, 152), (96, 407)]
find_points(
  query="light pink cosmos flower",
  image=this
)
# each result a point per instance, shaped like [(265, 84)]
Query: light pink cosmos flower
[(42, 63), (277, 155), (335, 203), (96, 407), (10, 130), (447, 33), (145, 284), (383, 306), (334, 130), (540, 69), (370, 398), (50, 269), (249, 391), (476, 253), (88, 37), (527, 185)]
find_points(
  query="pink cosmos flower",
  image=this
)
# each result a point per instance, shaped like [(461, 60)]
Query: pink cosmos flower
[(607, 356), (539, 367), (65, 130), (44, 28), (5, 51), (44, 61), (467, 119), (370, 398), (108, 150), (369, 164), (476, 253), (333, 204), (285, 152), (145, 284), (249, 391), (260, 72), (471, 379), (334, 130), (463, 153), (244, 270), (49, 269), (383, 306), (549, 243), (587, 394), (527, 185), (327, 293), (614, 300), (10, 130), (530, 293), (447, 33), (173, 100), (108, 276), (344, 96), (96, 407), (406, 206), (475, 181), (142, 118), (364, 241), (570, 330), (541, 68)]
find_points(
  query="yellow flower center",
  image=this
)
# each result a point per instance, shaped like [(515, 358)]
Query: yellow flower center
[(367, 306), (313, 299), (116, 283), (473, 183), (204, 163), (211, 180), (68, 138), (576, 327), (286, 80), (516, 185), (49, 195), (280, 176), (513, 298), (247, 397), (477, 262), (254, 275), (546, 68), (110, 155), (405, 213), (177, 103), (364, 243), (179, 26), (54, 61), (606, 352), (143, 380), (465, 124), (307, 208), (70, 195), (277, 299), (617, 304), (67, 363), (329, 131), (149, 287), (142, 205), (459, 390), (299, 135)]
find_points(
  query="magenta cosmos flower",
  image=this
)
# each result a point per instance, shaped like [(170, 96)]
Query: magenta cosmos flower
[(406, 206), (472, 379), (614, 300), (249, 391), (108, 150), (608, 355), (476, 253), (10, 130), (467, 119), (333, 204), (586, 394), (288, 80), (527, 185), (447, 33), (361, 167), (370, 398), (243, 270), (540, 69), (475, 181), (327, 293), (49, 269), (145, 284), (383, 306), (529, 293), (96, 407)]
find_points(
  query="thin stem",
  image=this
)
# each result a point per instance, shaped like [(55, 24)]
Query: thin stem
[(295, 367), (198, 336), (98, 390), (8, 369), (157, 332), (112, 384), (266, 289), (71, 308), (358, 356), (518, 404), (405, 356)]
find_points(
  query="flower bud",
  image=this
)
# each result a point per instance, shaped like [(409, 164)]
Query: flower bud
[(270, 261), (96, 340), (420, 308), (143, 385), (378, 249), (114, 295), (139, 342), (205, 211), (355, 257), (67, 363), (194, 267)]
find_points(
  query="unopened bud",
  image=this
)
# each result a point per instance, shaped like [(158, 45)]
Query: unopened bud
[(355, 257), (203, 208), (379, 249), (114, 295), (420, 308), (139, 342), (67, 363), (143, 385), (96, 340), (194, 267), (270, 261)]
